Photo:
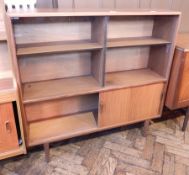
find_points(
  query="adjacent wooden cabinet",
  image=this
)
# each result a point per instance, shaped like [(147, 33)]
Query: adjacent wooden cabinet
[(82, 72), (8, 131), (184, 92), (178, 91)]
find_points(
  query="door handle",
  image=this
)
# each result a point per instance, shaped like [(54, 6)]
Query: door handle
[(101, 107), (8, 126)]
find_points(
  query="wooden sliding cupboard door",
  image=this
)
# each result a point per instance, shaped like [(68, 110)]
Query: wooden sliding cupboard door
[(130, 105), (8, 132)]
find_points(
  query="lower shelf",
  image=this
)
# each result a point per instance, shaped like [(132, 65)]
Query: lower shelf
[(61, 128)]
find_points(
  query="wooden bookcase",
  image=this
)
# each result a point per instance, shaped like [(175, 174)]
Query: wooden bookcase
[(83, 72)]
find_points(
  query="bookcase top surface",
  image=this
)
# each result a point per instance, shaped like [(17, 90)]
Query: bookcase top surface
[(73, 12), (182, 41)]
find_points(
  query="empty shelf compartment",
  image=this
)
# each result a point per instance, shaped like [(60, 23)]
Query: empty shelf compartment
[(54, 89), (61, 128), (133, 78)]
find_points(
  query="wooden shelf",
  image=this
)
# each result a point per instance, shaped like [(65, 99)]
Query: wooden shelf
[(135, 41), (133, 78), (54, 89), (56, 47), (61, 128)]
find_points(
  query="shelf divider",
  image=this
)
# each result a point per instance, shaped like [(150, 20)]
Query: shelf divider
[(99, 34)]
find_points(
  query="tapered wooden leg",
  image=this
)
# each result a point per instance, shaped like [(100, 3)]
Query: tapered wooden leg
[(185, 120), (47, 151), (146, 128)]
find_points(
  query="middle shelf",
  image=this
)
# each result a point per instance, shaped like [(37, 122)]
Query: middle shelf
[(52, 89), (81, 45), (66, 87), (56, 47), (135, 41)]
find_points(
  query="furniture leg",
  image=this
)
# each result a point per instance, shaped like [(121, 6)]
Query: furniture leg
[(185, 120), (146, 128), (46, 149)]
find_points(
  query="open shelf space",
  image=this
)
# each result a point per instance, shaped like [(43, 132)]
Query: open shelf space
[(54, 89), (61, 128), (62, 107), (125, 31), (135, 41), (133, 78), (56, 47)]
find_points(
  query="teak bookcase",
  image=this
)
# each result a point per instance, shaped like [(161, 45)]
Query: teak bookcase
[(83, 72)]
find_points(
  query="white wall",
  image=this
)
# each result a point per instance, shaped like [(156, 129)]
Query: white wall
[(179, 5)]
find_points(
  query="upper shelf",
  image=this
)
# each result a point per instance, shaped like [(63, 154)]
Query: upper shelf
[(56, 47), (88, 12), (135, 41)]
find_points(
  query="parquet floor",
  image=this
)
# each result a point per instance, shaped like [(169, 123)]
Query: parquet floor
[(123, 151)]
